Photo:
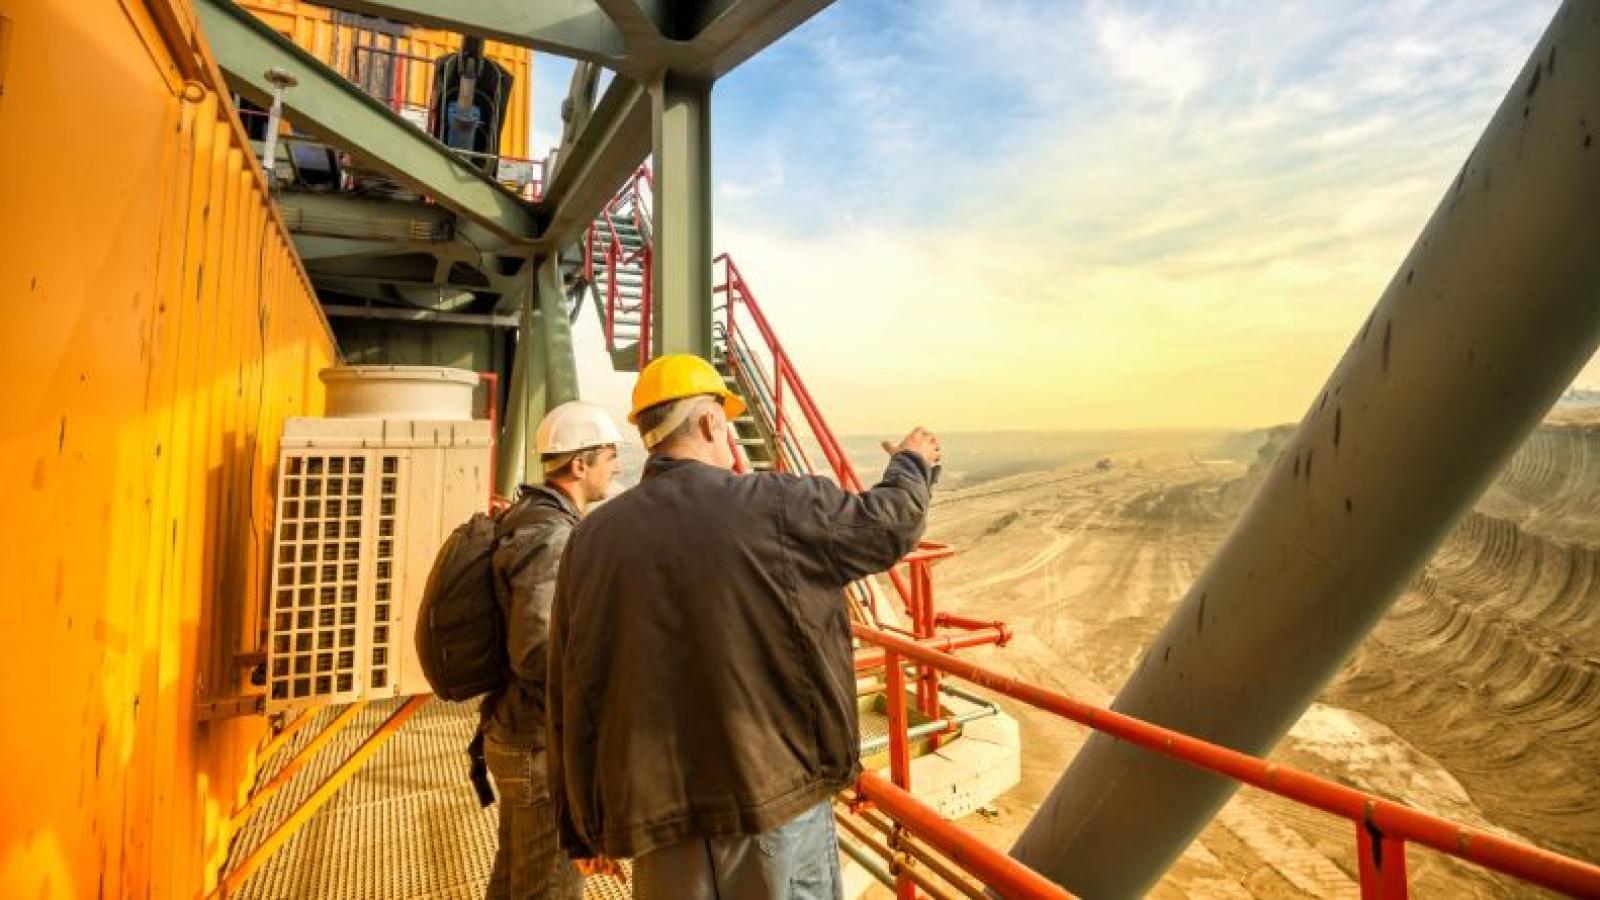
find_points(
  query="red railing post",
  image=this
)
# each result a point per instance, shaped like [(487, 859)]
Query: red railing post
[(923, 625), (611, 295), (899, 752), (1383, 864), (899, 756), (1385, 825)]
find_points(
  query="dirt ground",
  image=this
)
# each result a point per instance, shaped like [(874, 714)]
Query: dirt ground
[(1477, 698)]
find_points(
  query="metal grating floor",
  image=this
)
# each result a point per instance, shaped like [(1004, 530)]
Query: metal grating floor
[(406, 826)]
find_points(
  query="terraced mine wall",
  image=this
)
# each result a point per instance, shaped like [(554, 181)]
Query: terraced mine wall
[(1490, 661)]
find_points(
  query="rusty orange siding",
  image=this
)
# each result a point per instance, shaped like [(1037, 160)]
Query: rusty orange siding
[(312, 28), (163, 329)]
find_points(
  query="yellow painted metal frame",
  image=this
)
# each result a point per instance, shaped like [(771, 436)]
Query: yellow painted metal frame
[(159, 328), (292, 768), (236, 877)]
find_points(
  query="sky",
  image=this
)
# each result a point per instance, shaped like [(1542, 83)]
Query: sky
[(1035, 214)]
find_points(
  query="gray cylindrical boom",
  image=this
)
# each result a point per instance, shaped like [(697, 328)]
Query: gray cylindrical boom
[(1489, 318)]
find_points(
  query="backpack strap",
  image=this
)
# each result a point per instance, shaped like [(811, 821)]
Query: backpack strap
[(478, 772)]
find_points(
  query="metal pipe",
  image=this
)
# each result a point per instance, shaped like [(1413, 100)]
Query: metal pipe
[(1488, 319), (936, 726), (867, 660), (1529, 863), (866, 861), (898, 860), (1004, 875), (903, 840), (280, 80)]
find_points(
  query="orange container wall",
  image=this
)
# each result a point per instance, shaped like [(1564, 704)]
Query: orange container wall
[(312, 28), (161, 329)]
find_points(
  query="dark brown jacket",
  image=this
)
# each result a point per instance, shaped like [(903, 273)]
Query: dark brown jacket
[(532, 535), (701, 678)]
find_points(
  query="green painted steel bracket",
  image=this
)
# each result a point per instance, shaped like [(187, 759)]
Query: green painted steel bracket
[(336, 111)]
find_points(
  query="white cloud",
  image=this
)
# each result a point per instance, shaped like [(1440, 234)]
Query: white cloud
[(1169, 62)]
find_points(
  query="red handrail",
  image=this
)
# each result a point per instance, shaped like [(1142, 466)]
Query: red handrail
[(1392, 824), (604, 228), (996, 870)]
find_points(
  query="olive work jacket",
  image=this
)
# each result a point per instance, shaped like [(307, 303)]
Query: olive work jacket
[(532, 535), (702, 681)]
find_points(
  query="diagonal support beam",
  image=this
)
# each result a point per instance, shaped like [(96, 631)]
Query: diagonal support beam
[(728, 32), (611, 145), (342, 115), (578, 29)]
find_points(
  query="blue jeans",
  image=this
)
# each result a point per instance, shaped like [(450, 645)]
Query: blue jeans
[(798, 860)]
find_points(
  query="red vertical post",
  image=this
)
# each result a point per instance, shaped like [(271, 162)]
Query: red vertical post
[(1383, 865), (927, 676), (728, 296), (899, 755), (611, 296)]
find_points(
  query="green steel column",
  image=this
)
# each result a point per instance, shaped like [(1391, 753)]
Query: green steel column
[(560, 368), (525, 396), (681, 285), (536, 400), (1485, 323)]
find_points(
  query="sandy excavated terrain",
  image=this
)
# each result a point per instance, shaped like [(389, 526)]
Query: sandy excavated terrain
[(1477, 698)]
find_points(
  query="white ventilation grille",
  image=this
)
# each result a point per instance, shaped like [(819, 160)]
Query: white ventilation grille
[(355, 536)]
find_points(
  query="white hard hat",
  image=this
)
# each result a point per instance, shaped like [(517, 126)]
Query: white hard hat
[(575, 426)]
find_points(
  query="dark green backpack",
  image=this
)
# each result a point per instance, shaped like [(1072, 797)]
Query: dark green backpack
[(461, 635)]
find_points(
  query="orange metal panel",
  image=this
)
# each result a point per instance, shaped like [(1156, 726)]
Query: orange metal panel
[(160, 329)]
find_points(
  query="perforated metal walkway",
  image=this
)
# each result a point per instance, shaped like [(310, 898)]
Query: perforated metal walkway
[(406, 826)]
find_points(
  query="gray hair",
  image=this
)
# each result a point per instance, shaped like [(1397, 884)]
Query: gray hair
[(676, 416)]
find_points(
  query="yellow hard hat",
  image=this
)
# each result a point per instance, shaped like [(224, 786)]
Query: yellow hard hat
[(679, 375)]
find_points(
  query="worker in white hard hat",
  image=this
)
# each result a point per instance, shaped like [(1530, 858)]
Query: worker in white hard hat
[(577, 447)]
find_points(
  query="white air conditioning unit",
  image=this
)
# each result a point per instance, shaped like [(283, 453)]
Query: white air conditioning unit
[(365, 498)]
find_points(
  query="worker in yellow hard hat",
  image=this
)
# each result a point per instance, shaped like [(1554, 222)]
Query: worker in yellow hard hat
[(702, 703)]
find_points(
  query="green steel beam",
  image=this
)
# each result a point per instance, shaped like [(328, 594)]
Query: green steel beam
[(394, 314), (560, 366), (522, 408), (337, 112), (728, 32), (578, 29), (635, 38), (614, 141), (681, 227), (364, 218)]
